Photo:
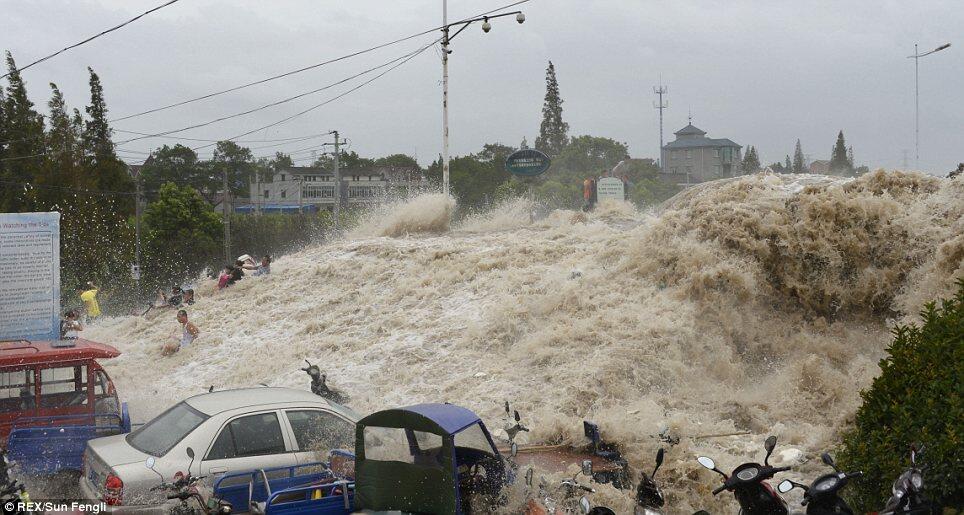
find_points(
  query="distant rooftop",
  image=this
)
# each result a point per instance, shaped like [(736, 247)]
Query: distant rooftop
[(693, 137)]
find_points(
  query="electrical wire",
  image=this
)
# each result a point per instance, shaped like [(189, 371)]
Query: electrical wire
[(309, 67), (277, 103), (330, 100), (75, 45)]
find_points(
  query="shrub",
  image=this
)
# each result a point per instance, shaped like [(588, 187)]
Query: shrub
[(916, 399)]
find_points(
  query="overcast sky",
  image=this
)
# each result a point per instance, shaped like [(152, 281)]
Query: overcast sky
[(759, 73)]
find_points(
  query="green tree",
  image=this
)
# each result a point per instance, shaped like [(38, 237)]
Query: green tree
[(553, 131), (107, 171), (397, 161), (182, 234), (347, 161), (177, 164), (788, 165), (751, 161), (918, 398), (799, 166), (23, 129), (237, 162), (839, 163)]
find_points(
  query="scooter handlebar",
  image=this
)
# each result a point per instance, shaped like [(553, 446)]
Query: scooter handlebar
[(780, 469), (851, 475), (720, 489)]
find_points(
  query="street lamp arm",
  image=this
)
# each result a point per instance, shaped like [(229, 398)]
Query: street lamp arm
[(466, 23), (938, 49)]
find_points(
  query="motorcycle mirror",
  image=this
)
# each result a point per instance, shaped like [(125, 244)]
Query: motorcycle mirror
[(584, 504), (587, 468), (785, 486), (513, 449), (517, 417), (659, 461), (707, 462), (190, 454), (769, 445), (149, 463), (507, 408), (529, 478), (828, 460)]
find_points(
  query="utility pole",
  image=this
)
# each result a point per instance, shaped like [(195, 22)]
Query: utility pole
[(226, 213), (446, 39), (445, 98), (337, 183), (660, 91)]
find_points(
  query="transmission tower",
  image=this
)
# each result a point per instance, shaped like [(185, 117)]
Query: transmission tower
[(660, 91)]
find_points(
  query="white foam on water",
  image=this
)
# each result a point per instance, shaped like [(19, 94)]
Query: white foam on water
[(759, 304)]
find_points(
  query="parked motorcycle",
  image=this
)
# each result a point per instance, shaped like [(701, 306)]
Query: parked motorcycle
[(11, 490), (749, 486), (822, 497), (318, 386), (186, 490), (649, 498), (908, 491), (563, 498)]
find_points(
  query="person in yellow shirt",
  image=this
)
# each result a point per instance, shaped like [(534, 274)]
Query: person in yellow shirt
[(88, 294)]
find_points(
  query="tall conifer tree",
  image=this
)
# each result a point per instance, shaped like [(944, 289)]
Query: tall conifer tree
[(24, 132), (553, 132), (838, 156), (798, 163)]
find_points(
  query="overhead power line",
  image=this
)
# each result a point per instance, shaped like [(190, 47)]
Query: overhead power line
[(279, 102), (330, 100), (112, 29), (305, 68)]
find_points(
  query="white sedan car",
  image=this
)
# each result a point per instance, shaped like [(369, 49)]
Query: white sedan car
[(229, 431)]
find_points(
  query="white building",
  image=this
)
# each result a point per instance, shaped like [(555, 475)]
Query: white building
[(307, 186)]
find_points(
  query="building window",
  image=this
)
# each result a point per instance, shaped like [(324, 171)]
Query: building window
[(716, 152), (689, 169), (687, 154), (283, 193), (282, 177), (673, 154), (266, 193)]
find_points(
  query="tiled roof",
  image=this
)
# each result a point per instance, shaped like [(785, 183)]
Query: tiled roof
[(701, 141)]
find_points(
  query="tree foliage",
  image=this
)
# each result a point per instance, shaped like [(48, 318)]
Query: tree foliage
[(840, 162), (917, 399), (553, 131), (799, 164), (751, 161), (182, 232)]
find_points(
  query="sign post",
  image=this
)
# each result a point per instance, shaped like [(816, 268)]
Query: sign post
[(610, 188), (30, 276), (527, 164)]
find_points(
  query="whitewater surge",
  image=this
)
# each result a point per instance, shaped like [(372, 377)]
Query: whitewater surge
[(759, 304)]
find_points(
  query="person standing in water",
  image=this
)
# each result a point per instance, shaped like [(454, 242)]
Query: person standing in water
[(88, 294), (189, 333)]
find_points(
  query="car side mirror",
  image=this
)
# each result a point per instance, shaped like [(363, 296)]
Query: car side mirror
[(587, 468), (513, 449), (785, 486), (584, 505), (769, 445)]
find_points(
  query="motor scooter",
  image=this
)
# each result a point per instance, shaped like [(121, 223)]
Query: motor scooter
[(749, 486), (185, 488), (908, 491), (822, 497), (649, 498)]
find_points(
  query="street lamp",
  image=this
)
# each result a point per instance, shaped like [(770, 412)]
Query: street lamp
[(446, 39), (916, 57)]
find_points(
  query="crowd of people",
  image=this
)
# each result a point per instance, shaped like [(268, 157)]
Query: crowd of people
[(179, 297), (234, 273)]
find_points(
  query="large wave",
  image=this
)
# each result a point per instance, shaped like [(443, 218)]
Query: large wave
[(756, 305)]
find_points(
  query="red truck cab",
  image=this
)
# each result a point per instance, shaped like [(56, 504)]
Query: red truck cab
[(55, 383)]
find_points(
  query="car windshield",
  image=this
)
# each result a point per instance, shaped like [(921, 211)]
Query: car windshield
[(161, 434)]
